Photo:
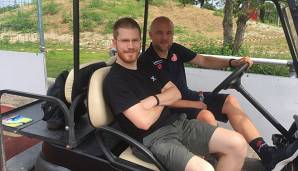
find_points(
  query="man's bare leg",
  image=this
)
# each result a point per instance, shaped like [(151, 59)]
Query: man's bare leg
[(231, 147), (198, 164), (239, 120), (207, 116)]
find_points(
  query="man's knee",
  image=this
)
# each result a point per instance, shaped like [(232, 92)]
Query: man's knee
[(231, 103), (231, 100), (238, 145), (198, 164), (207, 116)]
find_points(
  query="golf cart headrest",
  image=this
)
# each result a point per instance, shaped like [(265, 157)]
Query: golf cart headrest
[(99, 112), (86, 70)]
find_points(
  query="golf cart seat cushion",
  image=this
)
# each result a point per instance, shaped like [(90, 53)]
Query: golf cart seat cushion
[(101, 115), (86, 70), (128, 155), (99, 112)]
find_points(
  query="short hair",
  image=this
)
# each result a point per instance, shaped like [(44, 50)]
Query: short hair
[(161, 19), (125, 22)]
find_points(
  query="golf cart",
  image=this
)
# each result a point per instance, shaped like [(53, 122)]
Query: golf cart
[(96, 142)]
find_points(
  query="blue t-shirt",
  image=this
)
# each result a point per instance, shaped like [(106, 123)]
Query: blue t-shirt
[(173, 67)]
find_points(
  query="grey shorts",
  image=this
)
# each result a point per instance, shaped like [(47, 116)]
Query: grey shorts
[(175, 144)]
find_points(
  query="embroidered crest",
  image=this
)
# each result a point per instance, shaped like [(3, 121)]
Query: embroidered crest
[(159, 66), (174, 57), (157, 62), (153, 78)]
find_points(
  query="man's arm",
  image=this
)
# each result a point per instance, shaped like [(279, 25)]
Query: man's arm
[(218, 63), (189, 104), (141, 117), (144, 114)]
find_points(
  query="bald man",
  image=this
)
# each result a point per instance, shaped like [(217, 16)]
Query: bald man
[(168, 58)]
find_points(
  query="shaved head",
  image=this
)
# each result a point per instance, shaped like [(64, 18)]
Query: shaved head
[(161, 34), (161, 20)]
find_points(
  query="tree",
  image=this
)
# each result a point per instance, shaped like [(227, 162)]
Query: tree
[(241, 9), (228, 23)]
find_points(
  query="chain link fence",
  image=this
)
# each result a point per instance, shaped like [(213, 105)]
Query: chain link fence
[(19, 25)]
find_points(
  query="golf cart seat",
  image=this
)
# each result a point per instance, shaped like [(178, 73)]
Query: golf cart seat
[(86, 70), (100, 116)]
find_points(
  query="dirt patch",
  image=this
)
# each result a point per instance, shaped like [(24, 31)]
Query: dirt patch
[(193, 19)]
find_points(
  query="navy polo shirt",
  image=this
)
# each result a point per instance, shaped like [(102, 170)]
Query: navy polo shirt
[(173, 67)]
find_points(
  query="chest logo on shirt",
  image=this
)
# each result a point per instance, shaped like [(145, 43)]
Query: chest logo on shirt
[(174, 58), (158, 64), (153, 78)]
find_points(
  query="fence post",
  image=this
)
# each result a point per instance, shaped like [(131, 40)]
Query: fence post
[(40, 27)]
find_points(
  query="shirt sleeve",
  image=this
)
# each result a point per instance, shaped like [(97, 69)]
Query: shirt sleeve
[(119, 96), (184, 53)]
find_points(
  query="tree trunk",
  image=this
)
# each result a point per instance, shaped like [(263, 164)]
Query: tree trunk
[(228, 23), (262, 11), (241, 26), (202, 2)]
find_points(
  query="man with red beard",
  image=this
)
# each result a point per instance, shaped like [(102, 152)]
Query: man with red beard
[(139, 104), (168, 58)]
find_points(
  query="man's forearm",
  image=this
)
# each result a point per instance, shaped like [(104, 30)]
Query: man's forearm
[(169, 94), (215, 63), (183, 104)]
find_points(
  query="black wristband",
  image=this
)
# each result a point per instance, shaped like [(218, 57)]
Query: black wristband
[(157, 100), (230, 62)]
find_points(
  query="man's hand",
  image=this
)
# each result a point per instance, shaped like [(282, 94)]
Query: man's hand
[(241, 61)]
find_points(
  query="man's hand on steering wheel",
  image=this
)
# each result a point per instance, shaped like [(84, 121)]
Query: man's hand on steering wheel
[(239, 62)]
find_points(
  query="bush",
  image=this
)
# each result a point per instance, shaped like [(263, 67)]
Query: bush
[(89, 20), (268, 69), (21, 21), (66, 17), (50, 8), (215, 49)]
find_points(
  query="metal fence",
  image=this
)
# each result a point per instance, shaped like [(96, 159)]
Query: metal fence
[(20, 22)]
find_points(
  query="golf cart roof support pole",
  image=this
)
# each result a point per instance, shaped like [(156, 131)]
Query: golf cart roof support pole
[(286, 31), (76, 63), (263, 111), (40, 27), (2, 149), (145, 25)]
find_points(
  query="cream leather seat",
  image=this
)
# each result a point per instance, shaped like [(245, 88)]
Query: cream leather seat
[(100, 114), (87, 70)]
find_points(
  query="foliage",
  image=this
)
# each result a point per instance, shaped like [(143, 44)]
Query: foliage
[(266, 69), (8, 8), (95, 4), (184, 2), (50, 8), (271, 15), (21, 21), (157, 2), (218, 12), (66, 17), (216, 49), (89, 19)]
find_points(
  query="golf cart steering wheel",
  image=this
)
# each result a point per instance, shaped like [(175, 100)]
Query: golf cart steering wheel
[(233, 78)]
